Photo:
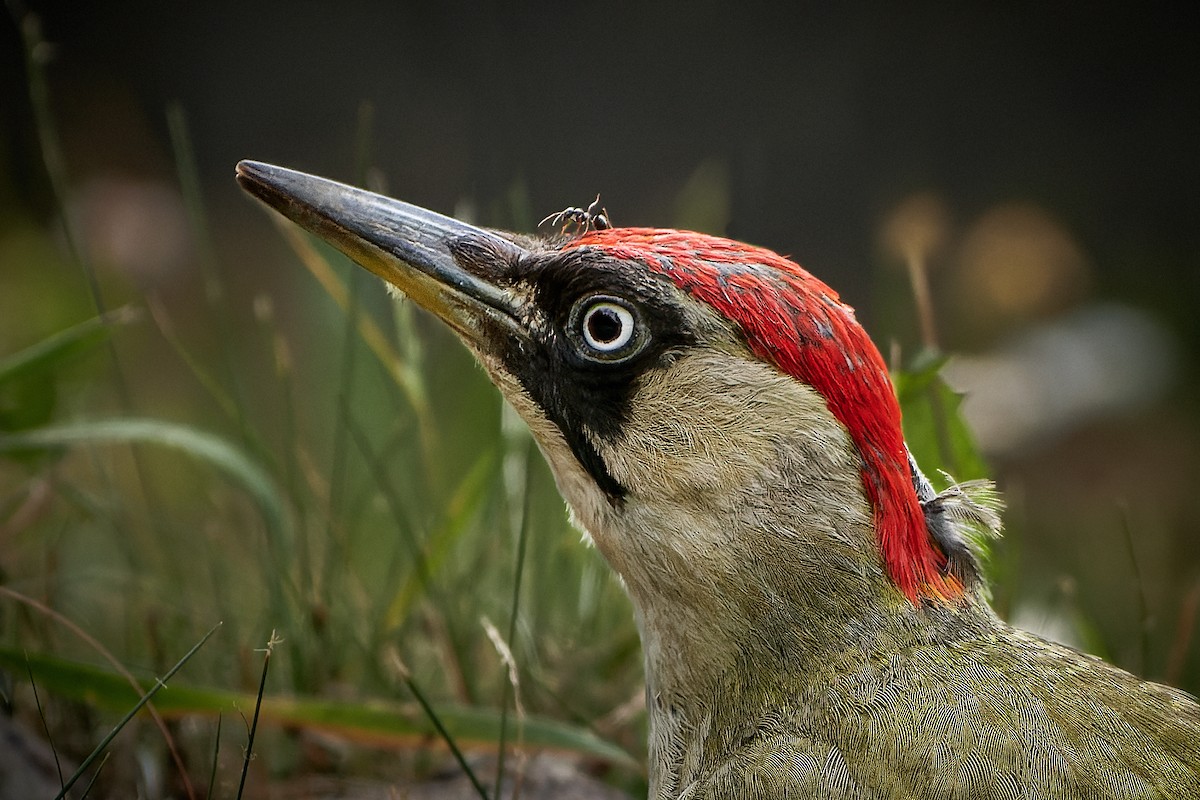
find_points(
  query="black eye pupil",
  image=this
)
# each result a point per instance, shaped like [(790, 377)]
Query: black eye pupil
[(604, 325), (605, 329)]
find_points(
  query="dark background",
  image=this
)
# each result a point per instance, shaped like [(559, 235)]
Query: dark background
[(824, 117)]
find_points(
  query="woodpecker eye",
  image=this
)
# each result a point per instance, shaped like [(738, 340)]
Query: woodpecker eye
[(606, 329), (607, 326)]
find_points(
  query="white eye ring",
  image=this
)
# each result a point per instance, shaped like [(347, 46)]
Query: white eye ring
[(607, 327)]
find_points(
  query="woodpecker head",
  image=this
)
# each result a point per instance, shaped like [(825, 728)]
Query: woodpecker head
[(717, 420)]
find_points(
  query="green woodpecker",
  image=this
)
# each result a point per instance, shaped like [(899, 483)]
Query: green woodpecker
[(811, 612)]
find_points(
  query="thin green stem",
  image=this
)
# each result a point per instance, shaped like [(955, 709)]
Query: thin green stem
[(159, 683), (522, 538), (442, 731), (262, 687)]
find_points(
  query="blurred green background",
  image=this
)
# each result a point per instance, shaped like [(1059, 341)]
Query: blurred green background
[(1039, 162)]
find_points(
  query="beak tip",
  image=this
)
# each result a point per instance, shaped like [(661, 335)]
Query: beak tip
[(266, 182), (249, 172)]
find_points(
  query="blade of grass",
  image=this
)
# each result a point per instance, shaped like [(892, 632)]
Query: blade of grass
[(309, 666), (1139, 583), (465, 501), (514, 608), (95, 777), (212, 386), (52, 351), (214, 286), (196, 443), (159, 684), (45, 725), (433, 717), (262, 687), (369, 721), (293, 455), (125, 674), (204, 447), (216, 757), (936, 433), (395, 505), (36, 52), (398, 368), (264, 315), (336, 536)]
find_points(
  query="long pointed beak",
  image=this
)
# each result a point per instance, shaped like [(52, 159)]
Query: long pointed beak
[(410, 247)]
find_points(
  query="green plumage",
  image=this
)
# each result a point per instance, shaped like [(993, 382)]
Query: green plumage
[(978, 711)]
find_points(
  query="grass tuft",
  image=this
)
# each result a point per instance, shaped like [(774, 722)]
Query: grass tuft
[(272, 643), (159, 684), (406, 676)]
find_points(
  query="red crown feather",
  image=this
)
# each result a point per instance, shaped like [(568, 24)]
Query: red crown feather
[(797, 323)]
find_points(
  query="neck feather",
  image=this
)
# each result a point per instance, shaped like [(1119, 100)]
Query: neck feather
[(760, 547)]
